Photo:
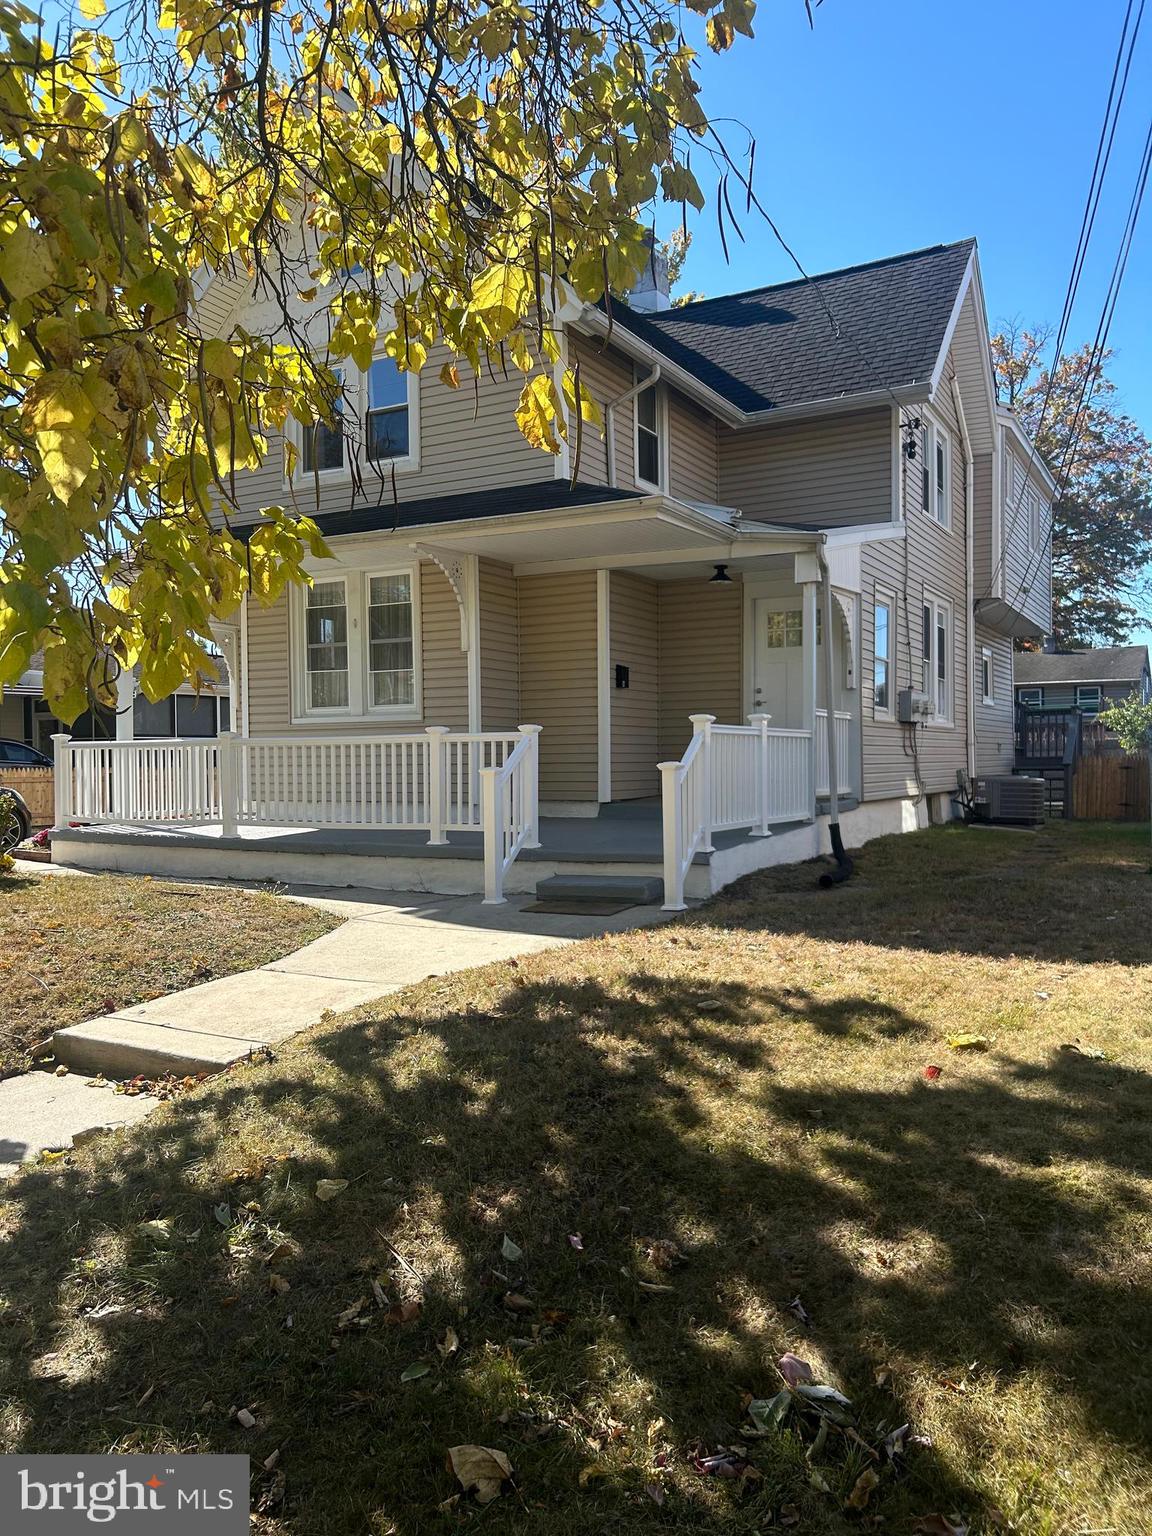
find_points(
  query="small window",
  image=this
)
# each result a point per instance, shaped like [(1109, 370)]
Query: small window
[(882, 649), (1031, 698), (936, 651), (195, 716), (1035, 518), (387, 420), (1088, 699), (322, 446), (391, 670), (987, 675), (942, 478), (785, 630), (326, 642), (649, 435), (153, 720)]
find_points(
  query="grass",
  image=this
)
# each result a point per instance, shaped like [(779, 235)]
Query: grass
[(696, 1136), (72, 947)]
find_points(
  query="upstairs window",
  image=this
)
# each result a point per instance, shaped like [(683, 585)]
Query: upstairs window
[(987, 675), (1088, 699), (383, 403), (650, 434), (936, 472), (1032, 698)]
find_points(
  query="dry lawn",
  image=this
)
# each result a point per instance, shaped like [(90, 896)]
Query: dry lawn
[(593, 1197), (72, 947)]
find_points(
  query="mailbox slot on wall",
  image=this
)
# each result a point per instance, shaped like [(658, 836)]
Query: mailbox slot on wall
[(621, 675)]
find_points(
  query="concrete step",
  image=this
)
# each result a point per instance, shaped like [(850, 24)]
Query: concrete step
[(642, 890)]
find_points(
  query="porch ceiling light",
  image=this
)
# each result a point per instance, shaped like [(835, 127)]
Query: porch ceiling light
[(720, 574)]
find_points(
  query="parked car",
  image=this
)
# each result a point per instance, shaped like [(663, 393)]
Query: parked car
[(17, 754), (15, 828)]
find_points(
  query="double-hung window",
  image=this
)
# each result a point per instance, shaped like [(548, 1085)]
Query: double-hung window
[(356, 654), (1088, 699), (376, 423), (936, 472), (883, 652), (650, 434), (936, 651), (1032, 698)]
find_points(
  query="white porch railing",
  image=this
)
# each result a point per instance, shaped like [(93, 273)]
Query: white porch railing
[(730, 776), (429, 782), (843, 729)]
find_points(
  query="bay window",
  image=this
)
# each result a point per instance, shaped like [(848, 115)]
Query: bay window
[(356, 655)]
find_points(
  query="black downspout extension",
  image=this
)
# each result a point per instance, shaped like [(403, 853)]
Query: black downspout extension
[(844, 865)]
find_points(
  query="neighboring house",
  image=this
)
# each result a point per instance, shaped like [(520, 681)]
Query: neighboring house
[(749, 441), (1083, 680), (26, 716)]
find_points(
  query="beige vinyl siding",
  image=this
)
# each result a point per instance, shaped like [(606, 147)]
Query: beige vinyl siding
[(634, 642), (1026, 577), (12, 718), (928, 559), (606, 374), (693, 451), (557, 616), (701, 646), (499, 647), (995, 751), (831, 471), (445, 674)]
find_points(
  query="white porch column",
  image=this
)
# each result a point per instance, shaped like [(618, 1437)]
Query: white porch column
[(125, 702), (810, 604)]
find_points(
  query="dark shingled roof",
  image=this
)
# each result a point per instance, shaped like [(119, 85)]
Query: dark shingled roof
[(775, 346), (1114, 664), (540, 496)]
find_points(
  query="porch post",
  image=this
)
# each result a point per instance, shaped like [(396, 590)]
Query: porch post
[(437, 804), (228, 770), (532, 783), (491, 816), (810, 590), (125, 705), (702, 726), (764, 788), (673, 850), (62, 778)]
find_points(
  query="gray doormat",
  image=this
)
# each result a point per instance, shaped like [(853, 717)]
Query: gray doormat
[(580, 908)]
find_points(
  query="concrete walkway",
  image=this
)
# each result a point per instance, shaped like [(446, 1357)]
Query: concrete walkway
[(388, 941)]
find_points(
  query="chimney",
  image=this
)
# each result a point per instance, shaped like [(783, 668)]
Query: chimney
[(651, 290)]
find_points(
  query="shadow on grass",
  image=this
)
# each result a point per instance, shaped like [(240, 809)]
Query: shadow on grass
[(915, 1226)]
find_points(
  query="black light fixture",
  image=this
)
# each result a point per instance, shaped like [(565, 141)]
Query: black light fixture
[(720, 574)]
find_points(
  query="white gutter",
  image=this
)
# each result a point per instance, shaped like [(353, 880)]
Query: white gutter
[(610, 419), (969, 583)]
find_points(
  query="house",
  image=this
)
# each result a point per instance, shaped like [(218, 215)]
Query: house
[(25, 715), (1083, 680), (804, 465)]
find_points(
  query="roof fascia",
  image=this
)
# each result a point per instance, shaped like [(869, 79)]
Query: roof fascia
[(1012, 424), (595, 322)]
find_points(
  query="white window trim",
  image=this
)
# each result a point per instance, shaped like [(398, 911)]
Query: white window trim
[(1097, 703), (933, 432), (882, 595), (355, 398), (935, 602), (989, 693), (662, 434), (1036, 703), (356, 588)]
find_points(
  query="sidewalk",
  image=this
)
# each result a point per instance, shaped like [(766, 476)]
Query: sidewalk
[(390, 940)]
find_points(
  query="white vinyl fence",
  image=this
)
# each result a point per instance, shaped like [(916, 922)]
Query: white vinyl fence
[(433, 781)]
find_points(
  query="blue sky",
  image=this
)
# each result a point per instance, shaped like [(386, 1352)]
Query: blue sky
[(895, 124)]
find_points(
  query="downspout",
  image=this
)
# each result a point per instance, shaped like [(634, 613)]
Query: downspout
[(610, 418), (969, 605), (844, 864)]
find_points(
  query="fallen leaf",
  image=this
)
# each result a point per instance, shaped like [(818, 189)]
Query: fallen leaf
[(1078, 1048), (223, 1214), (862, 1489), (932, 1072), (967, 1042), (328, 1189), (590, 1473), (480, 1470), (658, 1290), (819, 1481), (281, 1252), (449, 1344), (728, 1464), (789, 1515), (793, 1369), (402, 1312), (577, 1241), (245, 1418), (894, 1444), (800, 1312), (414, 1371), (350, 1314), (511, 1251), (938, 1525), (159, 1230), (517, 1303), (664, 1253), (654, 1492), (278, 1285)]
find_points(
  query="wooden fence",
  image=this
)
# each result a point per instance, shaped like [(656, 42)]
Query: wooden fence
[(1110, 786), (35, 784)]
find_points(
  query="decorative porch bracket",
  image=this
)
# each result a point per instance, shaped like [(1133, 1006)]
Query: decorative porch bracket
[(846, 602), (455, 568)]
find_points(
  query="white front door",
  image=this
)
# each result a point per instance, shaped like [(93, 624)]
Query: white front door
[(778, 665)]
